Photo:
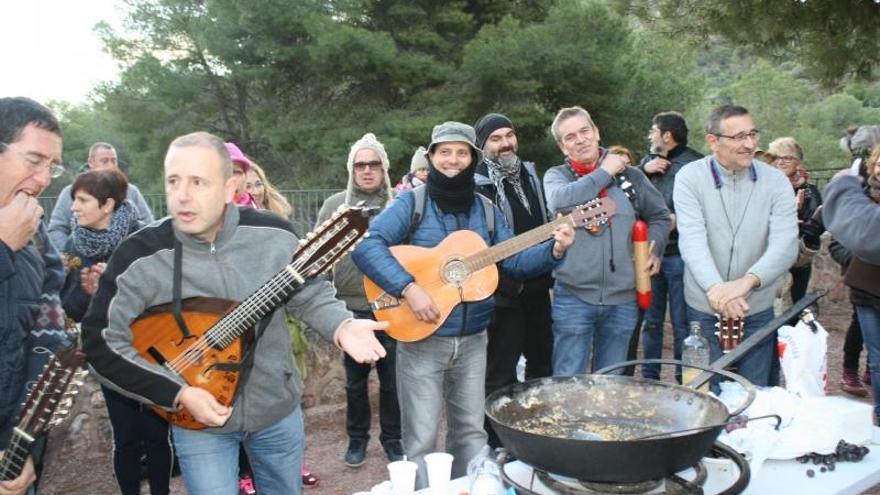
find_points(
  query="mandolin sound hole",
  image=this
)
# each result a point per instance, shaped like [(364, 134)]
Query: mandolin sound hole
[(455, 272)]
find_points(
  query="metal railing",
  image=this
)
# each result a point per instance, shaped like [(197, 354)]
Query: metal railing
[(307, 202)]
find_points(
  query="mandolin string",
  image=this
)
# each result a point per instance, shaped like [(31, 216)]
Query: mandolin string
[(227, 326), (226, 329)]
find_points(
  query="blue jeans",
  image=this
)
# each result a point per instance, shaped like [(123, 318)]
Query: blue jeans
[(668, 284), (434, 371), (209, 461), (754, 366), (577, 324), (869, 320)]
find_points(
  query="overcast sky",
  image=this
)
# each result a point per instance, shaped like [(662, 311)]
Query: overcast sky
[(50, 50)]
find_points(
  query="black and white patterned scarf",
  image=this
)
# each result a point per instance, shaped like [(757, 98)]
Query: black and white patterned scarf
[(101, 243), (501, 171)]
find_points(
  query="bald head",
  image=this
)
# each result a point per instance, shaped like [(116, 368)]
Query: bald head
[(102, 156), (208, 141)]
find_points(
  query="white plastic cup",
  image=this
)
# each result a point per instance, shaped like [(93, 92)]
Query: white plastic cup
[(403, 477), (439, 465)]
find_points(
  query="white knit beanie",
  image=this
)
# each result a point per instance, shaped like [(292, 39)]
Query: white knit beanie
[(368, 141)]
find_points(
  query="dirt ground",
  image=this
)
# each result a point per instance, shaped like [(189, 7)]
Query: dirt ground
[(326, 439)]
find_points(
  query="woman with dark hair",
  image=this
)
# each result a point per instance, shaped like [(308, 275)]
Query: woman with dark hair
[(102, 218)]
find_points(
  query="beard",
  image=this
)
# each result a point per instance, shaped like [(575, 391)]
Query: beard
[(506, 161), (655, 149)]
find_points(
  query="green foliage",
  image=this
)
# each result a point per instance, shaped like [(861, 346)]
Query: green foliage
[(833, 39), (295, 83)]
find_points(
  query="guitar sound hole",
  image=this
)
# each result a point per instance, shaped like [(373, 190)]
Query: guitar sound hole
[(455, 272)]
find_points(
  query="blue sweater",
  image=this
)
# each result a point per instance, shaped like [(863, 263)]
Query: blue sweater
[(392, 227), (25, 276)]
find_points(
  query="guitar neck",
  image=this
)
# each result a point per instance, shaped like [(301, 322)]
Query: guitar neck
[(514, 245), (13, 459)]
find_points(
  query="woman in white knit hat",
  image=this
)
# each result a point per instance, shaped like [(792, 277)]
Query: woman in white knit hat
[(418, 171)]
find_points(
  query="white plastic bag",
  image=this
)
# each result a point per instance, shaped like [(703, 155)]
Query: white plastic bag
[(803, 358)]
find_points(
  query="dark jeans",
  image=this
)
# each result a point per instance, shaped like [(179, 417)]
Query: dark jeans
[(357, 418), (852, 344), (666, 285), (136, 429), (526, 328), (800, 280)]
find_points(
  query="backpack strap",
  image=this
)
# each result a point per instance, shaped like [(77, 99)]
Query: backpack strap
[(418, 212), (489, 211)]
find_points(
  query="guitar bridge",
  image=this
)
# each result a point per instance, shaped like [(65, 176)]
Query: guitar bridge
[(385, 301)]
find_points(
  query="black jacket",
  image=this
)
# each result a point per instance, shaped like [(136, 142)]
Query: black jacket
[(665, 183)]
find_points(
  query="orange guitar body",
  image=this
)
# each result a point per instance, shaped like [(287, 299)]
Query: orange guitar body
[(437, 270), (157, 337)]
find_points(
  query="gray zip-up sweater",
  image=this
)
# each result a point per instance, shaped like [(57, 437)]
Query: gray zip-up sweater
[(744, 226), (598, 269), (251, 248)]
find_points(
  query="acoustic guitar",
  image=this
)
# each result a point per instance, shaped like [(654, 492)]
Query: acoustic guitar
[(212, 356), (47, 405), (729, 332), (462, 269)]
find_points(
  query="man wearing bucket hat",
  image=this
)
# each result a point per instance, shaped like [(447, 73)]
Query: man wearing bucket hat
[(450, 365), (368, 182), (521, 323)]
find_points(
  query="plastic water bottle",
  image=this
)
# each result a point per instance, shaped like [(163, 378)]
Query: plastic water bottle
[(695, 351)]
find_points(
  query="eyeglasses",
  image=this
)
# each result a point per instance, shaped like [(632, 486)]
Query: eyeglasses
[(787, 158), (374, 165), (35, 161), (754, 134)]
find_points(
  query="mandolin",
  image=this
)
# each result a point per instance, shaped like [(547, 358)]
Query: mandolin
[(47, 405), (462, 269), (212, 356)]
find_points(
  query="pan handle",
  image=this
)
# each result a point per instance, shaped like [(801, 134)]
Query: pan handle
[(746, 385)]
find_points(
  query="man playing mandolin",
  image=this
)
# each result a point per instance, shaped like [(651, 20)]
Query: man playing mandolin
[(229, 252), (449, 365)]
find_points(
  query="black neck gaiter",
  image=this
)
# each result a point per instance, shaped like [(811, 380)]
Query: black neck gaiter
[(452, 194)]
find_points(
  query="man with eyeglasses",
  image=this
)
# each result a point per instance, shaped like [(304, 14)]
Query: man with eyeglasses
[(737, 235), (102, 156), (368, 182), (668, 154), (30, 267)]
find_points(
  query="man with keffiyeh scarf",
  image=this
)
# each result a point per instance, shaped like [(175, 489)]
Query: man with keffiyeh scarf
[(521, 322)]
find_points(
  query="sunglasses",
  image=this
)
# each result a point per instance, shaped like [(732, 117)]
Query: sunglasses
[(374, 165)]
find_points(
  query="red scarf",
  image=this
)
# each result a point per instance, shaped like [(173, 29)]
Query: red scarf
[(581, 170)]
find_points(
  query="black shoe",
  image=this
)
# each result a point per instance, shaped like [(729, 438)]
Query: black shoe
[(357, 452), (394, 450)]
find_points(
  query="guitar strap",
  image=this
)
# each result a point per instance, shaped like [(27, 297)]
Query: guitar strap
[(176, 299)]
